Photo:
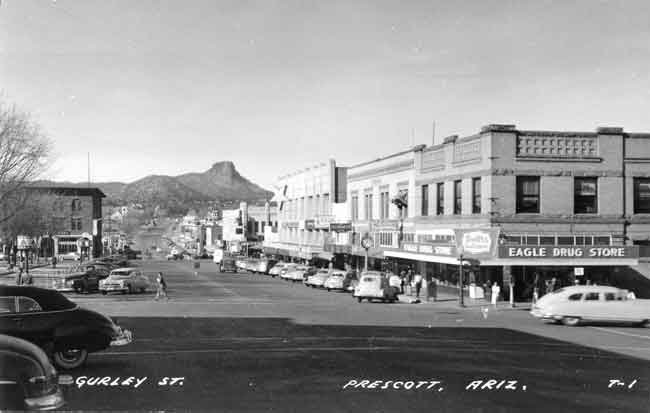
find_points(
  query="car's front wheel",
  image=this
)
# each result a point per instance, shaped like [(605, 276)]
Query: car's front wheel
[(70, 359), (570, 321)]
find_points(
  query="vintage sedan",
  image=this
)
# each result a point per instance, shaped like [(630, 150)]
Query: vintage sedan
[(65, 331), (124, 280), (583, 304), (318, 279), (264, 266), (84, 281), (28, 381), (285, 273), (277, 268), (373, 285), (337, 281)]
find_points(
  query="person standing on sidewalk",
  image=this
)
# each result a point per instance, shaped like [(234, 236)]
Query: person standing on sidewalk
[(409, 280), (417, 282), (161, 287), (496, 290), (394, 281)]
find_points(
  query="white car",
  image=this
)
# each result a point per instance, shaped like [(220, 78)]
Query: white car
[(592, 303), (288, 269), (373, 285), (277, 268), (336, 281), (74, 256), (317, 280), (124, 280)]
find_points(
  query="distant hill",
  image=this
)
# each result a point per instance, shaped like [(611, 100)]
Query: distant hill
[(222, 182)]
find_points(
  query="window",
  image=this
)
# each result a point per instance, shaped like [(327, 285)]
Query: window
[(76, 205), (642, 195), (7, 304), (355, 207), (591, 297), (476, 195), (425, 200), (575, 297), (610, 297), (384, 204), (585, 195), (528, 194), (367, 204), (26, 304), (440, 195), (75, 224), (458, 199)]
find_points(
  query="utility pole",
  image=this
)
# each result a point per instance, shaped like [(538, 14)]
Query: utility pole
[(461, 298)]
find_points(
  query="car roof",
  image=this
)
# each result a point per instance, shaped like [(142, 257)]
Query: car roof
[(23, 347), (49, 300), (590, 288)]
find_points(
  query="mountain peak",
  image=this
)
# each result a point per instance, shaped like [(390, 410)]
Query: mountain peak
[(223, 166)]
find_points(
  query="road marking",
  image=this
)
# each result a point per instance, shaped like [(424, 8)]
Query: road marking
[(620, 332)]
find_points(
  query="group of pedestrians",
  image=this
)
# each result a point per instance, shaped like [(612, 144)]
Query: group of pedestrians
[(406, 280)]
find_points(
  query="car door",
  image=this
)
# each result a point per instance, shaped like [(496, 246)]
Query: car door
[(10, 322), (591, 306), (33, 323)]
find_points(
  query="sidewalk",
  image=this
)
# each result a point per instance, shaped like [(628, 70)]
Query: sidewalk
[(450, 300)]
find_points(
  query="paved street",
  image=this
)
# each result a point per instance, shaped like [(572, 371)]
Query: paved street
[(244, 342)]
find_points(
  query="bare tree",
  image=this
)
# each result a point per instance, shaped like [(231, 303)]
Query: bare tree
[(42, 217), (24, 155)]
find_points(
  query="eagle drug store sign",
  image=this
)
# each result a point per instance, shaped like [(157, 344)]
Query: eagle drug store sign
[(477, 243), (604, 251)]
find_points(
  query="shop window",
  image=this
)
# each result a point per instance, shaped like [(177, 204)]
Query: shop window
[(565, 240), (585, 196), (532, 240), (602, 240), (642, 195), (440, 196), (425, 200), (575, 297), (458, 197), (591, 297), (476, 195), (528, 194), (583, 240), (546, 240), (513, 239)]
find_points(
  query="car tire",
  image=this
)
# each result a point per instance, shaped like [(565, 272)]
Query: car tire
[(70, 359), (571, 321)]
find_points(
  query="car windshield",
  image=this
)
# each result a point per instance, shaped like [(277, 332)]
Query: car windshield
[(370, 279), (122, 273)]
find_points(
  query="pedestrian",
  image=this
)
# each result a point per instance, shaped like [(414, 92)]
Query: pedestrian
[(496, 290), (394, 281), (19, 276), (54, 261), (161, 287), (536, 288), (417, 282), (27, 279), (409, 280), (402, 277), (553, 282)]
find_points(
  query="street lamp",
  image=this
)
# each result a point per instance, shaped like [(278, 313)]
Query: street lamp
[(366, 243)]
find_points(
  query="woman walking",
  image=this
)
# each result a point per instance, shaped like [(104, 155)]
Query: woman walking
[(161, 287)]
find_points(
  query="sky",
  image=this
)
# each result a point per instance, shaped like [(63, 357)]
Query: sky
[(169, 87)]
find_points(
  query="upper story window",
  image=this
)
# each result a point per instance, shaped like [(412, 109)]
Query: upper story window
[(76, 205), (367, 203), (440, 195), (425, 200), (585, 195), (642, 195), (528, 194), (384, 203), (355, 207), (458, 197), (476, 195), (75, 224)]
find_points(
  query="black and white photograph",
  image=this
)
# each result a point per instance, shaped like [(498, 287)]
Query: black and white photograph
[(325, 206)]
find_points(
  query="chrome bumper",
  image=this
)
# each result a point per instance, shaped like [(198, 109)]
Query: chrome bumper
[(49, 402), (123, 337)]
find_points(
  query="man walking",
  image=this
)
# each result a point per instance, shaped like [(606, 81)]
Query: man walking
[(161, 289), (417, 281)]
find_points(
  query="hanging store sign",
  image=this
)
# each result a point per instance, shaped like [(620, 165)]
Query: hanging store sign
[(569, 252), (446, 250), (477, 243)]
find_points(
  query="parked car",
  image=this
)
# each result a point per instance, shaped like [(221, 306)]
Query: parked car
[(84, 281), (580, 304), (70, 256), (241, 263), (228, 264), (289, 268), (116, 260), (264, 265), (170, 257), (336, 281), (28, 381), (277, 268), (300, 273), (373, 285), (124, 280), (317, 280), (251, 264), (62, 329)]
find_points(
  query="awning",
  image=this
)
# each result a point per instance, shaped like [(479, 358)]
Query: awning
[(326, 255), (422, 257)]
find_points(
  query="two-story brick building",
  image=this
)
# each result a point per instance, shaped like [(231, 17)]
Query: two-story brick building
[(78, 215), (566, 204)]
